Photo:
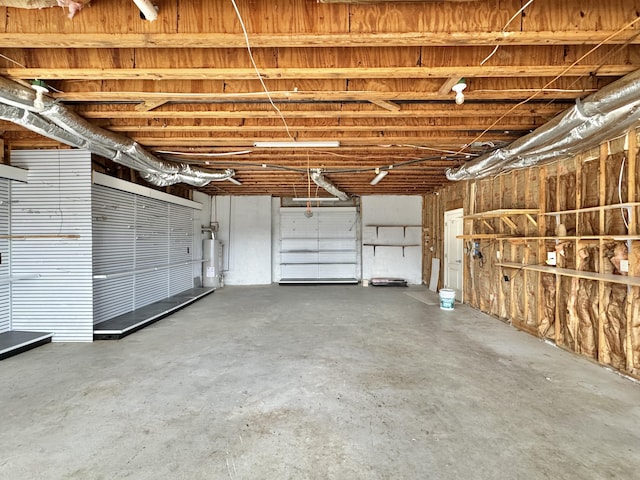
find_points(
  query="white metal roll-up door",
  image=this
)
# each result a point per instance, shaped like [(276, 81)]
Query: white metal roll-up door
[(318, 249)]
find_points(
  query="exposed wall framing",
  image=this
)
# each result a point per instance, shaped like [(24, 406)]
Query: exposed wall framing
[(586, 212)]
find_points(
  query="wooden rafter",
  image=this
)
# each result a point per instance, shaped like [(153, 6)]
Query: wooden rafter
[(307, 40), (313, 72), (375, 76)]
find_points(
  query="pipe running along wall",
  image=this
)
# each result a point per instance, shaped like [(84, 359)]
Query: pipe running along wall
[(602, 115), (42, 115)]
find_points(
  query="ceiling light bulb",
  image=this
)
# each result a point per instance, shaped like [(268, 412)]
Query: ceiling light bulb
[(459, 88)]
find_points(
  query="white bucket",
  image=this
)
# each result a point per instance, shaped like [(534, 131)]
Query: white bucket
[(447, 298)]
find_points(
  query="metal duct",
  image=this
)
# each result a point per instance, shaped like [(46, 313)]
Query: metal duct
[(57, 122), (602, 115), (318, 179)]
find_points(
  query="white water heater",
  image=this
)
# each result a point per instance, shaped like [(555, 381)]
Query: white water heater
[(212, 267)]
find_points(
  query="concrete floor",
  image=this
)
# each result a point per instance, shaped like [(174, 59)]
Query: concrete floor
[(328, 382)]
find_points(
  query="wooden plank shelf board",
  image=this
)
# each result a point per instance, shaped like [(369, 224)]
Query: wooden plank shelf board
[(480, 236), (594, 209), (504, 214), (593, 238), (567, 272)]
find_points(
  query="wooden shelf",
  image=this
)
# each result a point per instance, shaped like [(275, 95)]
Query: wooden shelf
[(504, 214), (481, 236), (595, 209), (497, 236), (567, 272), (402, 245)]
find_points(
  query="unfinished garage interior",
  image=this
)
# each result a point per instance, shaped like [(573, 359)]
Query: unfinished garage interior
[(319, 239)]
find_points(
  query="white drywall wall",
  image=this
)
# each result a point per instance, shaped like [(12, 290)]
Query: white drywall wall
[(245, 230), (389, 261)]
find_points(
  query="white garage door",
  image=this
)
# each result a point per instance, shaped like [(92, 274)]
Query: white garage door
[(319, 249)]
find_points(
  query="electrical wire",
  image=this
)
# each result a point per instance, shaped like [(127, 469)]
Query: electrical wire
[(434, 149), (624, 219), (505, 27), (255, 67), (614, 51), (550, 82), (12, 60), (508, 278), (195, 154)]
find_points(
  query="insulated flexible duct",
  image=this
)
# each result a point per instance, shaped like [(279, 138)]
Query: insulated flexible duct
[(600, 116), (55, 121), (318, 179)]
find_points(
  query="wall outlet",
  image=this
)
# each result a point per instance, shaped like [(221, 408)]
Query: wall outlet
[(624, 266), (551, 259)]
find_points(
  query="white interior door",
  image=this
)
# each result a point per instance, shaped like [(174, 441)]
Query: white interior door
[(453, 251)]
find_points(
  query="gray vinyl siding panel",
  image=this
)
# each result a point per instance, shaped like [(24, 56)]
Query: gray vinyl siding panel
[(57, 294), (132, 235), (181, 248), (113, 252), (152, 244), (5, 258)]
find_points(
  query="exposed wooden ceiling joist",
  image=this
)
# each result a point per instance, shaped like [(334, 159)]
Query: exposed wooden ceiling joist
[(313, 40), (375, 76), (313, 73)]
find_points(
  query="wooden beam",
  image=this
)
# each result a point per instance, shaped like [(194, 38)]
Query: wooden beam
[(319, 96), (297, 73), (467, 110), (463, 128), (441, 142), (307, 40), (149, 105), (445, 89), (392, 107), (632, 159)]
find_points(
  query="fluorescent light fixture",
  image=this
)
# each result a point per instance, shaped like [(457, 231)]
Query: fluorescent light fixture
[(316, 199), (294, 144), (234, 181), (381, 174)]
